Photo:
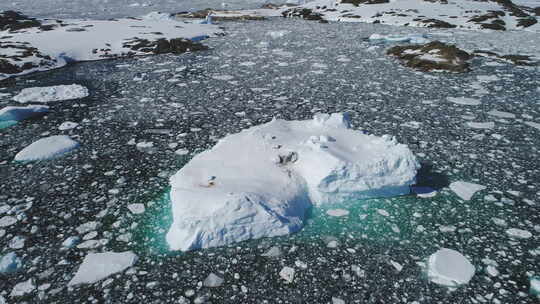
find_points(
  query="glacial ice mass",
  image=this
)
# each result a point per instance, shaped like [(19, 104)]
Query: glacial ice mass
[(259, 182)]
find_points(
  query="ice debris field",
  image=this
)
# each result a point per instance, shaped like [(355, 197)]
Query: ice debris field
[(199, 165)]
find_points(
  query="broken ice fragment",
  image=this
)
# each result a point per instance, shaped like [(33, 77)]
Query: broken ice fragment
[(465, 190), (287, 274), (47, 148), (212, 280), (54, 93), (10, 263), (449, 268), (518, 233), (97, 266), (337, 212)]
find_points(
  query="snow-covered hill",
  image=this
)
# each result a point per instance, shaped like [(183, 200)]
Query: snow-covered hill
[(467, 14)]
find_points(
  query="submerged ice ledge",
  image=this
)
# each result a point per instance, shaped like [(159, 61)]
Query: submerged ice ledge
[(259, 182)]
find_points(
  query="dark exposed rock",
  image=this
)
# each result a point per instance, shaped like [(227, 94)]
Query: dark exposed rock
[(13, 21), (358, 2), (515, 59), (435, 23), (164, 46), (493, 26), (435, 55), (536, 11), (304, 13), (526, 22), (8, 64)]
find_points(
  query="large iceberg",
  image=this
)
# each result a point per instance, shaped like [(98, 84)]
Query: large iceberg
[(259, 182)]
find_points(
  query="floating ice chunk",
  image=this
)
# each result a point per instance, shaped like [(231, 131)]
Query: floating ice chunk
[(287, 274), (337, 212), (212, 280), (10, 263), (136, 208), (518, 233), (97, 266), (449, 268), (21, 113), (487, 78), (492, 270), (71, 242), (54, 93), (412, 38), (501, 114), (20, 289), (259, 182), (481, 125), (157, 16), (223, 77), (465, 190), (337, 301), (533, 124), (424, 192), (535, 286), (464, 101), (277, 34), (68, 125), (47, 148), (272, 252), (7, 221)]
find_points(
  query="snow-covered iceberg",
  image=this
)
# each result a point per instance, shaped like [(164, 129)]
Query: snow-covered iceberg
[(259, 182), (47, 148)]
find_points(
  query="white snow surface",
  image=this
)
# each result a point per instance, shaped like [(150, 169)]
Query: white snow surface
[(97, 266), (465, 190), (413, 12), (87, 40), (259, 182), (47, 148), (449, 268), (53, 93)]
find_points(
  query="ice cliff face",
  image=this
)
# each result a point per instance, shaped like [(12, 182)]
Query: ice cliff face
[(259, 182)]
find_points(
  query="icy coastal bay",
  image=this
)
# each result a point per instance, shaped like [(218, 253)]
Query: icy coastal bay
[(260, 182)]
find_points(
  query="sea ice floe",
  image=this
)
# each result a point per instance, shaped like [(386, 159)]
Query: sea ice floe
[(98, 266), (287, 274), (22, 288), (337, 212), (464, 101), (533, 124), (449, 268), (10, 263), (465, 190), (481, 125), (47, 148), (516, 233), (67, 125), (535, 286), (501, 114), (424, 192), (259, 182), (21, 113), (54, 93), (412, 38), (213, 280)]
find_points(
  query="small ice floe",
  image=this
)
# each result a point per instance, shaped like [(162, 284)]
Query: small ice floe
[(181, 152), (337, 301), (10, 263), (20, 113), (516, 233), (487, 78), (213, 280), (449, 268), (535, 286), (98, 266), (501, 114), (277, 34), (272, 252), (22, 288), (465, 190), (480, 125), (47, 148), (337, 212), (223, 77), (424, 192), (412, 38), (533, 124), (67, 125), (464, 101), (71, 242), (7, 221), (136, 208), (54, 93), (287, 274)]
